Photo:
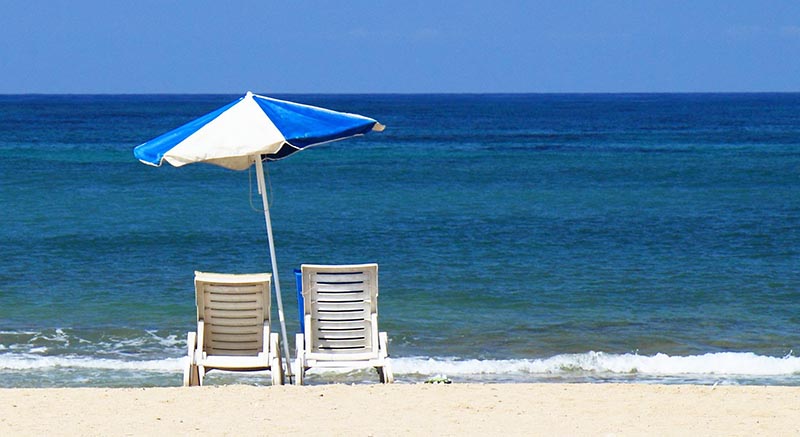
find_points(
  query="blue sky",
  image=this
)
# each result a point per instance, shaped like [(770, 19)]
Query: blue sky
[(409, 46)]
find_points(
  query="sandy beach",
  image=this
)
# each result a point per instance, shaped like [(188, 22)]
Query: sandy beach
[(404, 409)]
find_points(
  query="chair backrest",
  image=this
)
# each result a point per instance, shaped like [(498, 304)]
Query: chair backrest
[(340, 308), (234, 309)]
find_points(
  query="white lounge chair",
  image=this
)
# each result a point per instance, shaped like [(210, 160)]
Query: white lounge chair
[(340, 309), (233, 315)]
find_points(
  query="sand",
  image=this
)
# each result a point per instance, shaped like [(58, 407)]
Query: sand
[(404, 409)]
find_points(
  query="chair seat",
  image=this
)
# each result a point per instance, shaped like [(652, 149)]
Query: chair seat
[(342, 357), (226, 362)]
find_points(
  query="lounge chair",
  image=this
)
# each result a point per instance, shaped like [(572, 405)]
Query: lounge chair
[(233, 315), (340, 310)]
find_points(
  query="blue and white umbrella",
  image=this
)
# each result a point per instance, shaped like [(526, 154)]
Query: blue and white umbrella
[(248, 131)]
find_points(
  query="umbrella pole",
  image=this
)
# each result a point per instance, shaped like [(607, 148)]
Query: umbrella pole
[(262, 188)]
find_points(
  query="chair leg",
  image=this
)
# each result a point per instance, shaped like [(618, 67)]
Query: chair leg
[(276, 365), (187, 375), (385, 373), (194, 377), (388, 376), (381, 376), (276, 371), (191, 375), (300, 372)]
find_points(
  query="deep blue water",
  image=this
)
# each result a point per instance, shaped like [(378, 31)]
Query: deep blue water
[(634, 237)]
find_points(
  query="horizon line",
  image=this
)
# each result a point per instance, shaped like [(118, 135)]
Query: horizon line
[(520, 93)]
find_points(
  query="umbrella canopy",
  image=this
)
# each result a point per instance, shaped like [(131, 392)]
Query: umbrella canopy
[(248, 131), (251, 126)]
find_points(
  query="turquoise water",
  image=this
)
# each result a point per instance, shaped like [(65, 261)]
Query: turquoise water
[(641, 238)]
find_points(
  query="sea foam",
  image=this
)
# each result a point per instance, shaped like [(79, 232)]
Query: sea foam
[(720, 363), (23, 362), (599, 363)]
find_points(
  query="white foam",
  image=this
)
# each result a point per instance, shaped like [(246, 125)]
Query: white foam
[(169, 340), (742, 364), (722, 363), (67, 342), (59, 336), (33, 362), (18, 332)]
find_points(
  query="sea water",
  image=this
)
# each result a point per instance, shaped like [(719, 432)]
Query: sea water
[(520, 238)]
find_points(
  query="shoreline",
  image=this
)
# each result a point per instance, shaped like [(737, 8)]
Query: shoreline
[(405, 409)]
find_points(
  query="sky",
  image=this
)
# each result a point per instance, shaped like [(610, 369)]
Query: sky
[(408, 46)]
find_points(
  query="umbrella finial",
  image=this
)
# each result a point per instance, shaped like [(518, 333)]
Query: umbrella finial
[(249, 94)]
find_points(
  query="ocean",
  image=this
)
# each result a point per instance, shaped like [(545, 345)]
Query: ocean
[(638, 238)]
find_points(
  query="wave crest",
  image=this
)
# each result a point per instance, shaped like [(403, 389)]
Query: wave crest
[(720, 363)]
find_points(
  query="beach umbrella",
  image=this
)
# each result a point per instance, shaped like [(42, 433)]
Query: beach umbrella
[(249, 131)]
